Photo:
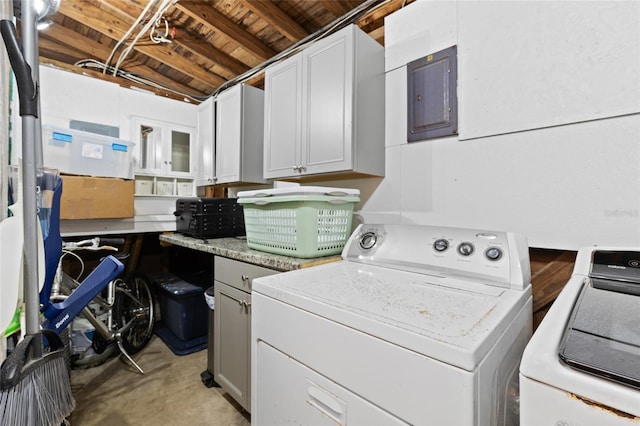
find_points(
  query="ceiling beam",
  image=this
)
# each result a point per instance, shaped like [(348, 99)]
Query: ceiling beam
[(130, 13), (216, 21), (276, 17), (216, 60), (95, 50), (211, 55), (373, 22), (116, 27), (334, 7), (375, 19)]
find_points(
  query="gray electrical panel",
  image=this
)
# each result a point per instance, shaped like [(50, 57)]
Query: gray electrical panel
[(432, 108)]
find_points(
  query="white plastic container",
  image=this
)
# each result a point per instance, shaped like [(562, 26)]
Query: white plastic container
[(81, 335), (83, 153), (300, 221)]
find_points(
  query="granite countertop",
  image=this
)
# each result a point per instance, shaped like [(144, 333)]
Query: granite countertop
[(237, 248)]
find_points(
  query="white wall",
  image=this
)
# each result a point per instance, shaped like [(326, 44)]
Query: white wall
[(66, 96), (136, 103), (549, 121)]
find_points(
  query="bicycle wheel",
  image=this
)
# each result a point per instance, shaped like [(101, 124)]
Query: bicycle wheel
[(133, 312)]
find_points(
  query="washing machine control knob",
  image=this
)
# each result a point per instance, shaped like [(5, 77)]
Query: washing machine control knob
[(493, 253), (368, 240), (441, 245), (465, 249)]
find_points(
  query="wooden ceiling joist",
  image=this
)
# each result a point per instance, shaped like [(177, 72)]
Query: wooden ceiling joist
[(212, 41), (215, 20), (282, 22), (336, 8), (116, 28)]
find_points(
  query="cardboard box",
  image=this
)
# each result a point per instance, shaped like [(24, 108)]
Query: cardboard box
[(86, 197)]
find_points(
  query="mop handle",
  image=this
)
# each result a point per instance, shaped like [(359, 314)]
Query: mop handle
[(23, 359), (26, 88)]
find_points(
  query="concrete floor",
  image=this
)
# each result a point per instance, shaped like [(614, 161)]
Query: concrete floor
[(169, 393)]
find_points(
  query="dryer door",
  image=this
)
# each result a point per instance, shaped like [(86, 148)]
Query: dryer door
[(291, 393)]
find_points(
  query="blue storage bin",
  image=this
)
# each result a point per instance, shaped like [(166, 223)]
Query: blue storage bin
[(183, 308)]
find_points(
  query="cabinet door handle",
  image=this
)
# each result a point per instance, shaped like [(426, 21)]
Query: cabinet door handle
[(240, 302), (244, 277), (295, 168)]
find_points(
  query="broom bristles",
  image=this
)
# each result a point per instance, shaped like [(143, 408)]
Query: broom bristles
[(42, 397)]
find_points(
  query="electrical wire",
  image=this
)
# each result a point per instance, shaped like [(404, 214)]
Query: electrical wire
[(161, 38), (128, 33), (92, 63), (164, 6)]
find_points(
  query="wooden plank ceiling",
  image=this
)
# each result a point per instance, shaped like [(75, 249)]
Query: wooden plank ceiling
[(200, 46)]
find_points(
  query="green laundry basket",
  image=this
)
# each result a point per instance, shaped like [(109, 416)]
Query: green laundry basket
[(303, 222)]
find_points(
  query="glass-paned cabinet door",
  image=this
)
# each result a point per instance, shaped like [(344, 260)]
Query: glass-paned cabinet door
[(163, 148), (181, 151), (149, 146)]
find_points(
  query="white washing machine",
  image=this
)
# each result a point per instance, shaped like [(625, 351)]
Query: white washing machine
[(416, 325), (582, 365)]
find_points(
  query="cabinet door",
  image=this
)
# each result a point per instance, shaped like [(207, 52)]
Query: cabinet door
[(148, 137), (205, 143), (228, 135), (282, 119), (232, 323), (179, 151), (327, 108), (163, 149)]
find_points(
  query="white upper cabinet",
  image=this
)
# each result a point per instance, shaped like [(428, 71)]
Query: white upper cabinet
[(239, 135), (205, 143), (324, 109), (163, 149), (282, 117)]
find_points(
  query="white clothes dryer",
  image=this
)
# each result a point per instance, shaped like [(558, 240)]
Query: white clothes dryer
[(582, 365), (416, 325)]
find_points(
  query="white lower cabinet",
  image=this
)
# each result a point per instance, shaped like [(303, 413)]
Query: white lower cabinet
[(232, 326)]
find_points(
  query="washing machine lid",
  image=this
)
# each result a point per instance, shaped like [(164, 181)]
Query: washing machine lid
[(541, 363), (603, 334), (454, 320)]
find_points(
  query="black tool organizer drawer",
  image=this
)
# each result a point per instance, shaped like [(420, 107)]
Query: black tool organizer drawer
[(209, 217)]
